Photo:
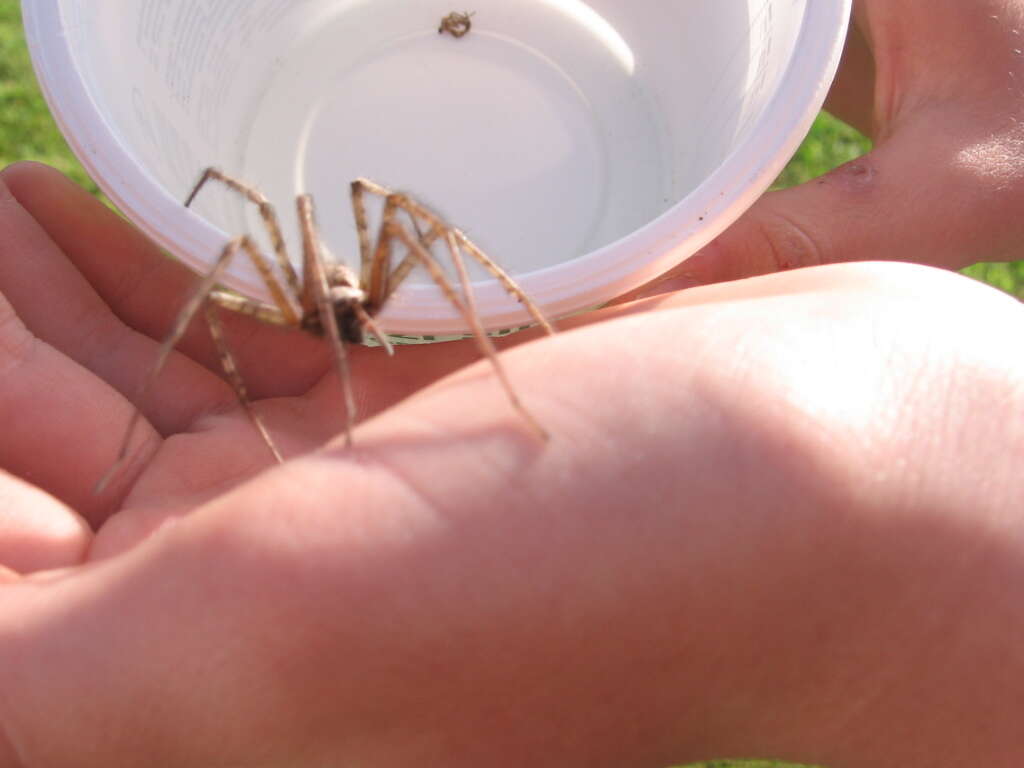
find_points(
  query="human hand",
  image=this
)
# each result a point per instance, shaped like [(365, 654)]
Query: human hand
[(727, 527), (939, 86), (99, 293)]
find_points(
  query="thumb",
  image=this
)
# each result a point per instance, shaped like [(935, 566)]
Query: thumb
[(924, 195), (37, 532)]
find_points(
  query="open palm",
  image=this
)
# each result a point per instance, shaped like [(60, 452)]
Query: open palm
[(90, 298)]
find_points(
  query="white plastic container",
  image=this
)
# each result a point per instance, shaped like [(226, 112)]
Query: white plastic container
[(587, 147)]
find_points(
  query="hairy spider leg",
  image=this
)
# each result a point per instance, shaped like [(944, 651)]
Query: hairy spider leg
[(510, 286), (315, 278), (383, 282), (196, 300), (374, 263), (467, 307), (227, 362), (436, 228), (376, 276), (484, 341), (257, 310), (356, 189), (273, 227)]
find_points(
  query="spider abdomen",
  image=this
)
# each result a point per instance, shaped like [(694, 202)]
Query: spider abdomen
[(350, 327)]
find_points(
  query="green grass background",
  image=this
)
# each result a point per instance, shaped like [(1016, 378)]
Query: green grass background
[(27, 132)]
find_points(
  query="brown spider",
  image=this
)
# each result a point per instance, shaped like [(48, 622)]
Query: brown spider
[(330, 300), (456, 24)]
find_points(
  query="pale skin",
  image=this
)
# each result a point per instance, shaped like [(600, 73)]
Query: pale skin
[(779, 517)]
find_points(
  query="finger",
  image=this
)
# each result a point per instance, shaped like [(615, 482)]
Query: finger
[(146, 289), (851, 97), (38, 532), (915, 198), (60, 425), (59, 307)]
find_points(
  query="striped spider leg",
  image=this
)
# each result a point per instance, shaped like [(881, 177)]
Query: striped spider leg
[(330, 300)]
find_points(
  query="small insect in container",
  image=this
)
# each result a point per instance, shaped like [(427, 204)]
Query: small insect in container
[(457, 24)]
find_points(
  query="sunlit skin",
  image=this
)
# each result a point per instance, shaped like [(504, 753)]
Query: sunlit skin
[(779, 516)]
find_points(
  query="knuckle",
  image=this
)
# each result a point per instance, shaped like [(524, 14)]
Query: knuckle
[(16, 342), (788, 245)]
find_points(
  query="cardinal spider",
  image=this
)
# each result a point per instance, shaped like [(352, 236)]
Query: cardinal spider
[(330, 300)]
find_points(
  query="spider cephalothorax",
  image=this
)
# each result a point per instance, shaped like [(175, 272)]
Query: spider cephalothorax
[(348, 303)]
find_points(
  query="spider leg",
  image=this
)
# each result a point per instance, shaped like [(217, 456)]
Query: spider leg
[(267, 213), (227, 361), (374, 275), (406, 265), (380, 264), (357, 191), (315, 276), (505, 279), (467, 306), (199, 295), (371, 325), (257, 310), (438, 228)]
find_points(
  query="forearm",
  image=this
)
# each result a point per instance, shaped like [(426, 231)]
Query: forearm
[(761, 545), (826, 568)]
